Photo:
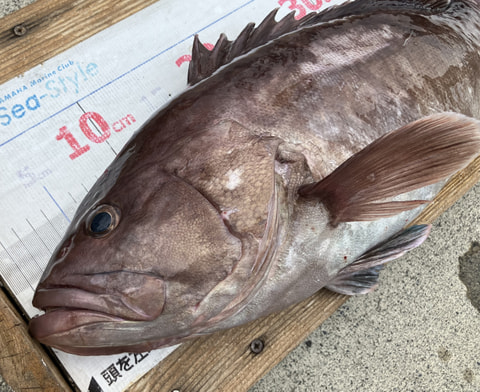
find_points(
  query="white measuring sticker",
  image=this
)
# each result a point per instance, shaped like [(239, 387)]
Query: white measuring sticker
[(63, 122)]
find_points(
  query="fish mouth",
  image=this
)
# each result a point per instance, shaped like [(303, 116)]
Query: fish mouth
[(82, 332), (73, 317), (70, 299), (123, 294), (93, 329), (103, 301), (55, 326)]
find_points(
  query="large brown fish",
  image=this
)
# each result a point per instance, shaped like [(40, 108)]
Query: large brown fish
[(294, 162)]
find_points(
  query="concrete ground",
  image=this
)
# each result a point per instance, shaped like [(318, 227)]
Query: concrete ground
[(420, 331)]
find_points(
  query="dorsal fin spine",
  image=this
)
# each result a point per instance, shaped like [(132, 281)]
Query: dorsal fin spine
[(204, 62)]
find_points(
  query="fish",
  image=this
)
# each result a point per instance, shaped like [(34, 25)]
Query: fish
[(295, 160)]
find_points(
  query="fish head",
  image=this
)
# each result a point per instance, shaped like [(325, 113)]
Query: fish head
[(152, 256), (142, 243)]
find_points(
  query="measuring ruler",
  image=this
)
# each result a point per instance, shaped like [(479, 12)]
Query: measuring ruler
[(63, 122)]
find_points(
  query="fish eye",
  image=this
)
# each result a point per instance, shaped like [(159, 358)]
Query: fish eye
[(102, 221)]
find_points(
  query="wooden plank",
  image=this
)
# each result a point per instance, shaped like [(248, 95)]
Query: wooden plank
[(458, 185), (23, 363), (221, 362)]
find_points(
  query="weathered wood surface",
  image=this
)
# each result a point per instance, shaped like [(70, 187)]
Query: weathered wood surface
[(23, 363), (221, 362), (451, 192)]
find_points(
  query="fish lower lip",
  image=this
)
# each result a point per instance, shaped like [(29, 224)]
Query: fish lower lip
[(81, 332), (60, 321)]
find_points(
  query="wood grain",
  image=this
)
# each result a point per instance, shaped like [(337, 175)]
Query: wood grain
[(220, 362), (23, 363), (458, 185)]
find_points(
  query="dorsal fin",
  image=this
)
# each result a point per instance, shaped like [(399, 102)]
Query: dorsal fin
[(205, 62)]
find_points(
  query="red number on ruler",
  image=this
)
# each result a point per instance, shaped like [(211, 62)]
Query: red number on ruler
[(310, 4), (87, 131), (104, 128), (72, 142), (314, 4), (294, 6)]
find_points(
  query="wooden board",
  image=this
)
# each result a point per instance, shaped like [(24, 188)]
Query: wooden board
[(23, 363), (221, 362)]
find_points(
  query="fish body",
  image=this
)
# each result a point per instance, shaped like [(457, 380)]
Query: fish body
[(293, 162)]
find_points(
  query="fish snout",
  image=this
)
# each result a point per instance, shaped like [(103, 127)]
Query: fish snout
[(128, 295), (82, 305)]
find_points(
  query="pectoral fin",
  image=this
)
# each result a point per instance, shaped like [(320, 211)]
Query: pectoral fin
[(418, 154), (361, 276)]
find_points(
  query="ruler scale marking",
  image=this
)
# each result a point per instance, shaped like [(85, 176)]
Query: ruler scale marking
[(27, 248), (18, 268), (51, 224)]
